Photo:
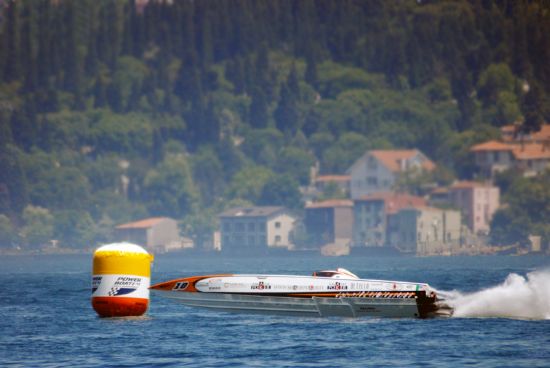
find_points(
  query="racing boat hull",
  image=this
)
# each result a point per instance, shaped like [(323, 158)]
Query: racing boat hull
[(337, 295)]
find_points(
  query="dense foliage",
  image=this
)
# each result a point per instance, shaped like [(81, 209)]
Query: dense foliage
[(116, 110)]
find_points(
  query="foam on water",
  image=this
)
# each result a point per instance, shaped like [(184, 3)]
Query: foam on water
[(517, 297)]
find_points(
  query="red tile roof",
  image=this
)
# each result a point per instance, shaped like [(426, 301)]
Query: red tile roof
[(510, 133), (142, 224), (531, 151), (393, 202), (491, 146), (543, 134), (333, 178), (469, 184), (392, 159), (331, 203), (440, 190)]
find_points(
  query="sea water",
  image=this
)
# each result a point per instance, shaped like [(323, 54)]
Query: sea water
[(502, 317)]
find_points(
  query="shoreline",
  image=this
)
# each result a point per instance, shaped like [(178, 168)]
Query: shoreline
[(492, 251)]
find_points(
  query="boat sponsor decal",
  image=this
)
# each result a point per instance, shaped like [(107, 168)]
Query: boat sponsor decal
[(376, 294), (96, 281), (260, 286), (125, 285), (337, 286), (120, 285), (180, 285)]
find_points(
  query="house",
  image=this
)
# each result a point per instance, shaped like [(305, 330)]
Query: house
[(158, 234), (529, 153), (424, 230), (252, 229), (329, 222), (493, 156), (532, 158), (477, 202), (511, 133), (378, 170), (370, 215)]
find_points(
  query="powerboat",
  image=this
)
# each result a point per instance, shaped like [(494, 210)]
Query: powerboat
[(326, 293)]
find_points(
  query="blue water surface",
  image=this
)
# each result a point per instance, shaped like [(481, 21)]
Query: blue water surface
[(47, 320)]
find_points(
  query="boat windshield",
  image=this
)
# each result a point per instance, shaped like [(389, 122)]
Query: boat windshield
[(338, 273), (324, 273)]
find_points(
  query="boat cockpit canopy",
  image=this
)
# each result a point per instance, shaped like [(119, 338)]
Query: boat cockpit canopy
[(339, 273)]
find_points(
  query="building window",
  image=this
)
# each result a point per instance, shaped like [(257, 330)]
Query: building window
[(372, 181), (251, 240), (251, 226), (239, 226), (277, 225), (227, 226), (277, 238)]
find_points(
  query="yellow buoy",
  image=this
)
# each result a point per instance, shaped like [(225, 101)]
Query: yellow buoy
[(120, 280)]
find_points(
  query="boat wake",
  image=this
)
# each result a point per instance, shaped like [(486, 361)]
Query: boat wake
[(517, 297)]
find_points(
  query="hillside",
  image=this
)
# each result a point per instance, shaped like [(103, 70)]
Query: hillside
[(117, 110)]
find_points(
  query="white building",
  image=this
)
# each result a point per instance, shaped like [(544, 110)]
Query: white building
[(158, 234), (378, 170), (256, 229), (424, 230), (478, 203)]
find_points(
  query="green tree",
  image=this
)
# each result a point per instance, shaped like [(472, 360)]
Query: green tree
[(200, 227), (507, 228), (8, 233), (169, 188), (533, 108), (527, 212), (208, 170), (295, 162), (507, 109), (286, 113), (497, 78), (74, 229), (262, 145), (281, 190), (38, 226), (248, 183), (341, 155), (14, 195), (258, 114)]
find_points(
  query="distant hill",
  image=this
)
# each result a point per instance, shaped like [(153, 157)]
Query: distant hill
[(115, 110)]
